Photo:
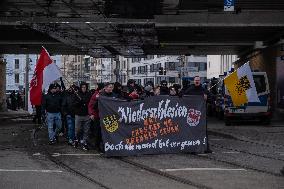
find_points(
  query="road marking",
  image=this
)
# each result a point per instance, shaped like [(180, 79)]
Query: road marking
[(59, 154), (216, 139), (231, 152), (36, 154), (201, 169), (31, 170)]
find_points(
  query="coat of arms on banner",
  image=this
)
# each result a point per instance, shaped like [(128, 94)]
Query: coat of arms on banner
[(110, 123), (193, 117)]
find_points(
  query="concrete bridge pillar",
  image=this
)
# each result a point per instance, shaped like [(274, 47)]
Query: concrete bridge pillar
[(3, 105)]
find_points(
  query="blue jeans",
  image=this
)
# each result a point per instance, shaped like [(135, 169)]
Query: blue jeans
[(53, 118), (70, 121)]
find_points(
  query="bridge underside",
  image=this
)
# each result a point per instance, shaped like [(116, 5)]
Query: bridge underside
[(105, 28)]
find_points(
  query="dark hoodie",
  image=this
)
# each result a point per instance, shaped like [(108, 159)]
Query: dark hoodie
[(82, 101)]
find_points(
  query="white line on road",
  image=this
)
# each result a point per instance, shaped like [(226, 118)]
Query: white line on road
[(32, 170), (231, 152), (201, 169), (216, 139), (59, 154), (36, 154)]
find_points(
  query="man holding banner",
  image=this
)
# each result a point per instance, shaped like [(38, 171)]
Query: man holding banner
[(156, 125), (197, 89)]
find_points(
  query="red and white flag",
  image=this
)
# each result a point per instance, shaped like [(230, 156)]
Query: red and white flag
[(46, 71)]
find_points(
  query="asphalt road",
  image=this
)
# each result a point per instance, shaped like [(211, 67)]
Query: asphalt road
[(243, 157)]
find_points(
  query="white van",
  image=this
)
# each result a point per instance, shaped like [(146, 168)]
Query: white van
[(252, 110)]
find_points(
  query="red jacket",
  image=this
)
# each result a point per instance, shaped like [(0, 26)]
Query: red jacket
[(93, 108)]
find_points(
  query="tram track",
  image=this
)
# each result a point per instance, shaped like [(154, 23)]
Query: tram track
[(164, 174), (246, 152), (216, 159), (238, 165), (127, 161), (232, 137), (78, 173)]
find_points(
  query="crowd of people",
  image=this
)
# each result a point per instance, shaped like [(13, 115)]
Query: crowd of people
[(75, 112), (15, 101)]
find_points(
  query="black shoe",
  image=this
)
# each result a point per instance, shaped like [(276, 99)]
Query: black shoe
[(56, 138), (282, 171), (75, 144), (51, 142), (85, 147)]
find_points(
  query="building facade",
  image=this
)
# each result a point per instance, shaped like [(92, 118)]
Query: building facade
[(16, 69), (194, 66), (155, 68), (219, 64)]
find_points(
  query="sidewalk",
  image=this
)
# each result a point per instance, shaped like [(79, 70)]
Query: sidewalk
[(13, 114), (272, 134)]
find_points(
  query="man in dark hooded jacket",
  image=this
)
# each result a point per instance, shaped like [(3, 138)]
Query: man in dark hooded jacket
[(81, 116), (164, 90)]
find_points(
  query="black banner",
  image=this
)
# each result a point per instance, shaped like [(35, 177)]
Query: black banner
[(158, 124)]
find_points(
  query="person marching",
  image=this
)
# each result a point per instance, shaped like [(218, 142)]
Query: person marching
[(81, 116), (51, 107), (197, 89)]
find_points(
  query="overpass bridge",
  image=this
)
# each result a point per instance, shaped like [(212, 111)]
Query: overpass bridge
[(131, 28), (105, 28)]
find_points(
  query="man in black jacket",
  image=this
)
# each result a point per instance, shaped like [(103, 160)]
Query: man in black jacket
[(51, 106), (69, 113), (82, 116), (197, 89), (164, 90)]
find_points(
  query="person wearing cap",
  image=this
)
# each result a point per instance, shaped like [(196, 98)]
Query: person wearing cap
[(51, 107), (164, 90)]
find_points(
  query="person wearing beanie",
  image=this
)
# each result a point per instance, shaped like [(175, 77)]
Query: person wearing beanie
[(51, 107), (164, 90)]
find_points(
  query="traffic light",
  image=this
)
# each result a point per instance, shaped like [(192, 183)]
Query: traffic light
[(161, 70), (165, 72)]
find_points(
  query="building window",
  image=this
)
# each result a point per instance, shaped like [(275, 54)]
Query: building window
[(172, 79), (17, 64), (142, 69), (148, 79), (133, 70), (17, 78), (124, 78), (137, 81), (171, 65), (124, 64), (149, 57)]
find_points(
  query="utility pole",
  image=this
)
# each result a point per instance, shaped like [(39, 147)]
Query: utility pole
[(27, 82)]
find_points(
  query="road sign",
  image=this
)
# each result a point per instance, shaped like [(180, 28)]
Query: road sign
[(229, 5)]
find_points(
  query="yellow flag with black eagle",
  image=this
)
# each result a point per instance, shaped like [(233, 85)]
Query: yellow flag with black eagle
[(241, 87)]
